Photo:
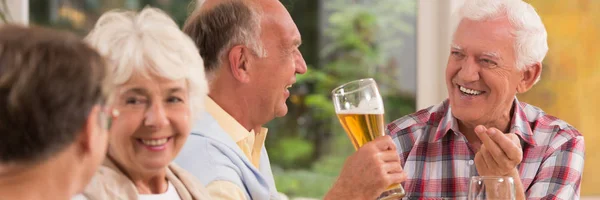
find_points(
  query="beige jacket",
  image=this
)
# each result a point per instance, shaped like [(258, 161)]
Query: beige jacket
[(109, 183)]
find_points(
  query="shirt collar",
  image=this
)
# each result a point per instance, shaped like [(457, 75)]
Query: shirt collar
[(519, 124), (234, 129), (447, 123)]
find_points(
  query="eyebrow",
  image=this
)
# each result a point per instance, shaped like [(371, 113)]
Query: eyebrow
[(138, 91), (492, 54), (495, 55), (454, 46), (142, 91), (175, 90)]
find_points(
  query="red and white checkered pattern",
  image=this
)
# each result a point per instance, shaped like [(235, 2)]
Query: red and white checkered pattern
[(439, 161)]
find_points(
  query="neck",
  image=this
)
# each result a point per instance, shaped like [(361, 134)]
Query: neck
[(51, 178), (149, 182), (502, 123), (236, 103)]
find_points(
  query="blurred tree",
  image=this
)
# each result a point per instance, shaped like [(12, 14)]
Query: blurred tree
[(4, 12), (80, 16)]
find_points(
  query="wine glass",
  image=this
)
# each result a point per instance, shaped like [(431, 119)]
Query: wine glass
[(491, 188)]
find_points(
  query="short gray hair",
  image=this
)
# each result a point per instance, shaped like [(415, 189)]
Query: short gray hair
[(217, 29), (531, 44), (149, 42)]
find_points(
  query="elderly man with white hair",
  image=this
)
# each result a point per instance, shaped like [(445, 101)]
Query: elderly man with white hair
[(482, 129)]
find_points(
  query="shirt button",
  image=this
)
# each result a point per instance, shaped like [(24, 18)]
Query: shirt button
[(470, 162)]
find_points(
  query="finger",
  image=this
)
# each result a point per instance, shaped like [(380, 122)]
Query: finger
[(506, 144), (389, 156), (480, 163), (486, 135), (517, 154), (489, 159), (397, 177), (384, 143), (515, 139), (392, 168), (481, 133)]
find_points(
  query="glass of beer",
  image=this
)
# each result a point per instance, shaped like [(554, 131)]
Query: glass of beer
[(359, 107)]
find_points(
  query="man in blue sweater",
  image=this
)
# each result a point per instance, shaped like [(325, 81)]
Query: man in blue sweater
[(250, 50)]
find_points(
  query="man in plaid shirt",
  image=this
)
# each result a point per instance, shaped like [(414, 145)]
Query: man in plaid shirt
[(482, 129)]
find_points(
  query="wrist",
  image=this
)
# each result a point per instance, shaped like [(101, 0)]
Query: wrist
[(513, 173), (520, 191), (341, 191)]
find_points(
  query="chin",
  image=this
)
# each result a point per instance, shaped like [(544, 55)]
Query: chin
[(157, 164), (281, 111), (467, 115)]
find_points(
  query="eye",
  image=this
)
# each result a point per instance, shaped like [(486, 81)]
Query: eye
[(174, 100), (135, 101), (488, 63), (457, 54)]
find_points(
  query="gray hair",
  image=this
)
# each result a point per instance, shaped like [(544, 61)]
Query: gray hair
[(531, 43), (217, 29), (149, 42)]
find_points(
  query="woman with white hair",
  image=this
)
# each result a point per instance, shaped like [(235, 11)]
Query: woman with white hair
[(160, 85)]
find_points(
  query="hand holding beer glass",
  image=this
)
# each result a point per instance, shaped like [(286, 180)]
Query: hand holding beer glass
[(359, 108)]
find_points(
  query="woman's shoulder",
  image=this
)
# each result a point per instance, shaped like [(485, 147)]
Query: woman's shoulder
[(109, 183), (183, 179)]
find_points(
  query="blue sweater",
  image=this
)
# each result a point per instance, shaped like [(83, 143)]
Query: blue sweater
[(211, 155)]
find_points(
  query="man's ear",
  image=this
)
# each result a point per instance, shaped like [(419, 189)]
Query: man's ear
[(529, 76), (239, 63), (90, 130), (92, 134)]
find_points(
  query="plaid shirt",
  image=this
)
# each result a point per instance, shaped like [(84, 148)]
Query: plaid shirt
[(439, 161)]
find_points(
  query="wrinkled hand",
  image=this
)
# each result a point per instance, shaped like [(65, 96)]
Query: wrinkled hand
[(369, 171), (499, 154)]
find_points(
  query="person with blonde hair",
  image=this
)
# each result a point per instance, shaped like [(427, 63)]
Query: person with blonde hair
[(159, 88)]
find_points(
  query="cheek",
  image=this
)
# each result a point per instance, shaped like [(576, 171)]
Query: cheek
[(451, 69), (124, 127), (180, 120), (181, 125), (497, 82), (285, 68)]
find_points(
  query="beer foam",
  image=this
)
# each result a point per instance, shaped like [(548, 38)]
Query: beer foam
[(361, 111), (365, 107)]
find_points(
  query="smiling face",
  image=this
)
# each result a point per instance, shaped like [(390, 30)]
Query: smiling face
[(481, 75), (153, 124), (275, 73)]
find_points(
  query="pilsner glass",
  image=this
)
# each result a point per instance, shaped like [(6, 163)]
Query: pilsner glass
[(359, 107), (491, 188)]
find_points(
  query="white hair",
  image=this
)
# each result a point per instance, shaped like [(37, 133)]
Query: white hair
[(530, 34), (150, 42)]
